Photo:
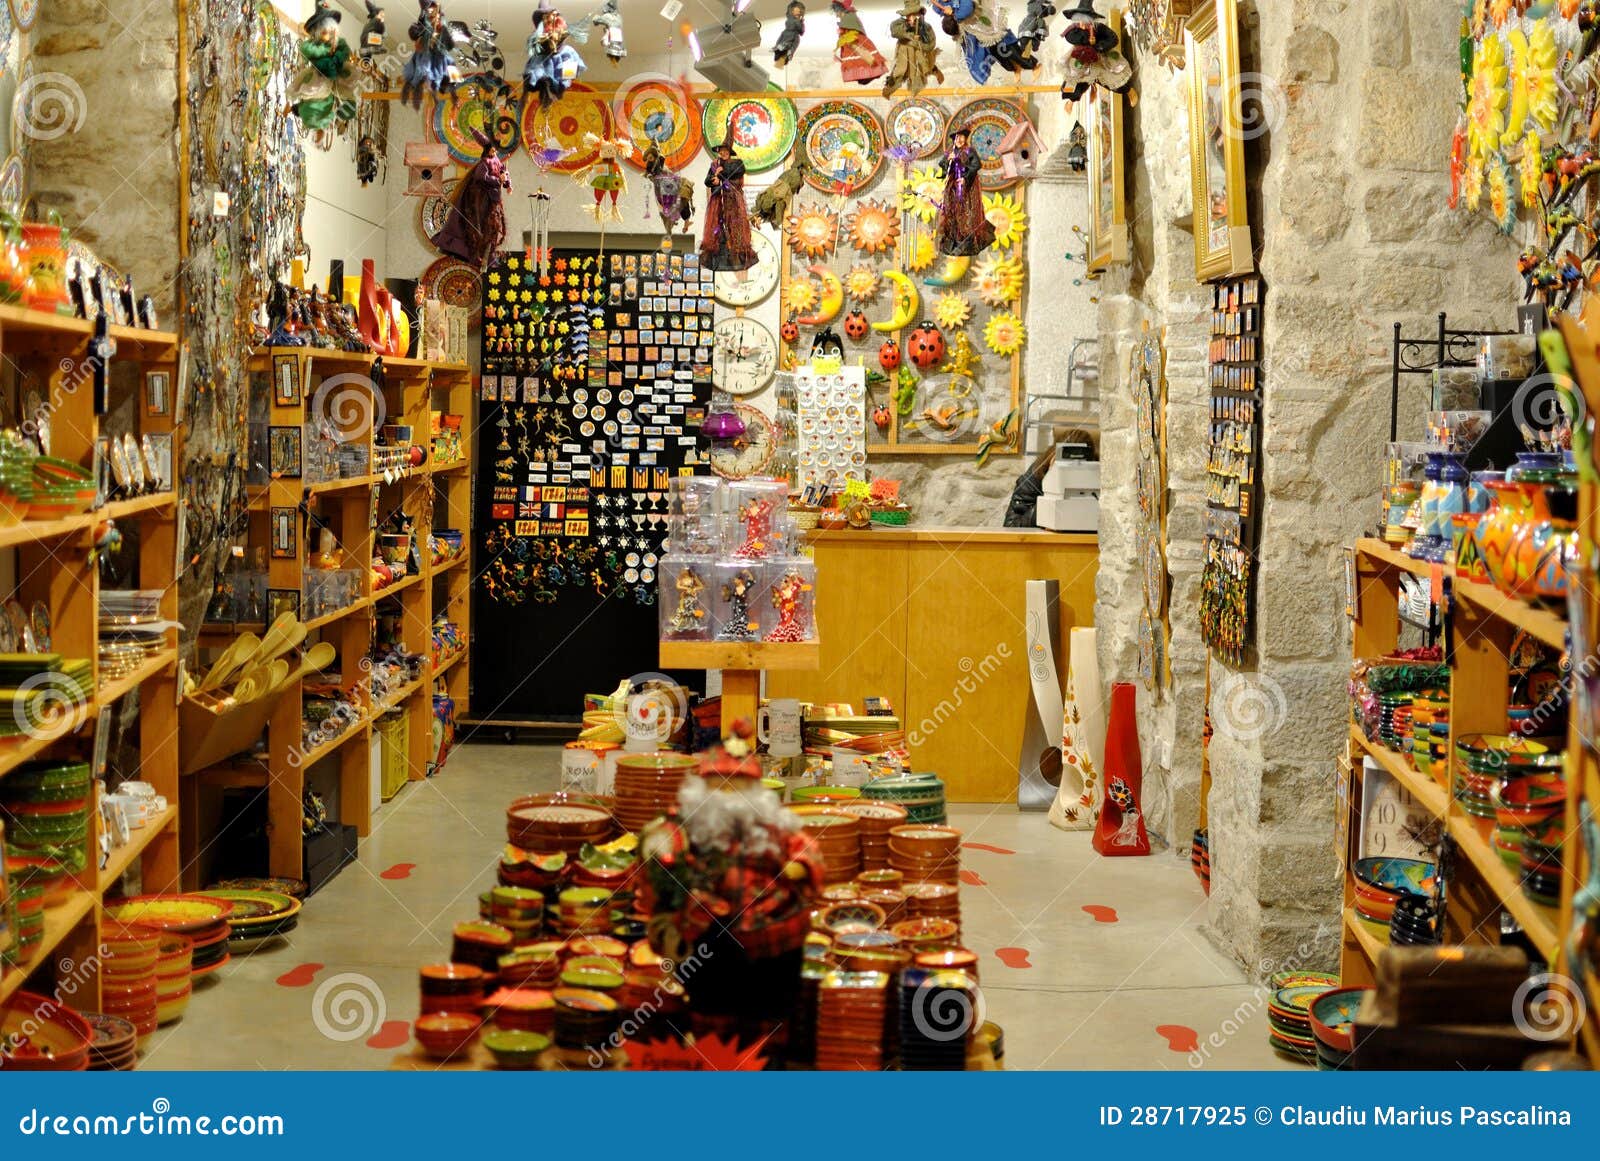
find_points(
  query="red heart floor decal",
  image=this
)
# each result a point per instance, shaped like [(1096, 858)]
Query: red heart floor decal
[(1179, 1037), (299, 977), (398, 871), (393, 1034), (1101, 914), (993, 850), (1013, 957)]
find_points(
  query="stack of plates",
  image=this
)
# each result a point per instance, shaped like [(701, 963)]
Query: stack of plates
[(294, 888), (852, 918), (558, 822), (44, 1035), (933, 901), (174, 977), (37, 882), (802, 1046), (257, 916), (40, 691), (1333, 1016), (46, 807), (922, 795), (926, 854), (1486, 762), (480, 944), (527, 968), (852, 1015), (128, 985), (522, 1009), (1412, 923), (953, 959), (1381, 882), (132, 630), (838, 838), (938, 1010), (520, 868), (647, 786), (1289, 1014), (115, 1047), (203, 919), (583, 911), (584, 1019), (451, 987), (1394, 719), (877, 819)]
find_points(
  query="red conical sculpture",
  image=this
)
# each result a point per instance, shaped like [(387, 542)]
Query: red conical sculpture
[(367, 320), (1121, 827)]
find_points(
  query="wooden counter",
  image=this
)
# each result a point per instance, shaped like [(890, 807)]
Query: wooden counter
[(932, 619)]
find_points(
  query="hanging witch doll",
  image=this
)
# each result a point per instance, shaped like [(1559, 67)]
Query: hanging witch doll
[(794, 27), (1093, 55), (916, 54), (725, 244), (432, 65), (962, 230), (553, 64), (674, 194), (476, 226), (859, 59), (609, 21), (325, 91)]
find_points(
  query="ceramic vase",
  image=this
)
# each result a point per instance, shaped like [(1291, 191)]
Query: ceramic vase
[(44, 253), (1537, 468), (368, 320), (1120, 829), (1427, 506), (1077, 801), (1494, 532)]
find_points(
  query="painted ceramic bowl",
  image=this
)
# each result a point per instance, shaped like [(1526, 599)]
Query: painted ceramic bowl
[(184, 914), (515, 1048), (1396, 875), (446, 1034)]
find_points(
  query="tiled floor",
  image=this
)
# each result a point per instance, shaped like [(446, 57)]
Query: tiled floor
[(1072, 990)]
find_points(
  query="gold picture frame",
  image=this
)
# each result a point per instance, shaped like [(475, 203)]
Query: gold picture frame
[(1108, 210), (1222, 246)]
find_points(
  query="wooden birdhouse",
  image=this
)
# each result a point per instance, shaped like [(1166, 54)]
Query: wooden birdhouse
[(1020, 150), (426, 164)]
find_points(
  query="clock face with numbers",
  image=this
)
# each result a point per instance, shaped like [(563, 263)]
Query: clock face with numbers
[(758, 282), (752, 452), (744, 356)]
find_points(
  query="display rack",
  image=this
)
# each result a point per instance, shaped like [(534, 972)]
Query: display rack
[(56, 562), (741, 664), (434, 495)]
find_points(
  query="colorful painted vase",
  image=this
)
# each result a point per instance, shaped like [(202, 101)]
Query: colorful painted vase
[(1464, 547), (1398, 506), (1427, 510), (1550, 544), (1537, 468), (44, 253), (1495, 530)]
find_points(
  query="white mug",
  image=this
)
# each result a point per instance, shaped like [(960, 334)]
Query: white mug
[(778, 726)]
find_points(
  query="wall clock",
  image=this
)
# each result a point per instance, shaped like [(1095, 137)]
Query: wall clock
[(759, 281), (744, 356), (751, 453)]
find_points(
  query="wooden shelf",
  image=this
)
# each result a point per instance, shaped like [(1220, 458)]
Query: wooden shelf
[(453, 562), (1540, 623), (33, 531), (312, 757), (741, 655), (1370, 937), (119, 687), (159, 504), (1542, 924), (1391, 557), (452, 466), (59, 922), (410, 689), (1433, 797), (25, 749), (343, 484), (444, 667), (399, 587), (338, 614), (124, 856)]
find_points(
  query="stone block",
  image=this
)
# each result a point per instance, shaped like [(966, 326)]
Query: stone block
[(1310, 54), (1388, 33), (1396, 130)]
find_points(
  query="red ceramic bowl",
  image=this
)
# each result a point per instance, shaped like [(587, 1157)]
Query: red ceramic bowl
[(451, 979), (443, 1035)]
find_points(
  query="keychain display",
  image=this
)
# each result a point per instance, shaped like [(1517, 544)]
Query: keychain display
[(831, 426)]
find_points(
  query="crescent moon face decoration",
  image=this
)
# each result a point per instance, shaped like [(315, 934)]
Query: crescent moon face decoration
[(831, 300), (907, 301)]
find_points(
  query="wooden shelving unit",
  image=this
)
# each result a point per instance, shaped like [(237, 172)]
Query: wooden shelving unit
[(54, 561), (742, 664), (400, 391)]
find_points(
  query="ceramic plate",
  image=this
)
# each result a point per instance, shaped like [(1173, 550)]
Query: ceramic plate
[(843, 146), (435, 211), (453, 283), (39, 622), (659, 110), (563, 124), (763, 128), (989, 119), (455, 119), (918, 124), (180, 913)]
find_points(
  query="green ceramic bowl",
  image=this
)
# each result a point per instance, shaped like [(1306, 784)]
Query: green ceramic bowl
[(512, 1048)]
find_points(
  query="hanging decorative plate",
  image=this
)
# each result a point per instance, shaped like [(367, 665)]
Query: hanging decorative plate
[(8, 32), (812, 230), (1155, 576), (918, 124), (563, 124), (1004, 334), (1149, 651), (660, 110), (25, 12), (453, 283), (763, 128), (989, 119), (843, 146), (873, 227), (12, 183), (475, 106), (1146, 418), (435, 210), (751, 453)]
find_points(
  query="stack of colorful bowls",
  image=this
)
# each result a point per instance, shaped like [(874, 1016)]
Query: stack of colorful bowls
[(447, 1035), (480, 944), (1394, 719), (938, 1015), (583, 911), (922, 795), (1430, 728), (115, 1047), (921, 935), (203, 919), (647, 786), (838, 839), (8, 907), (527, 968), (558, 822), (42, 692), (1413, 922), (849, 918), (35, 880), (604, 977), (1333, 1017), (522, 1009), (1534, 807), (174, 978), (540, 872), (877, 819), (257, 917), (894, 904), (926, 854), (933, 901), (585, 1020), (1289, 1015), (1381, 882), (802, 1046), (40, 1034), (451, 987), (852, 1015), (518, 909), (869, 951), (128, 984), (952, 959), (46, 808), (1486, 762)]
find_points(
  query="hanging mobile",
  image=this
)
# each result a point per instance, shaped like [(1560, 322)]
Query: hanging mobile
[(539, 248)]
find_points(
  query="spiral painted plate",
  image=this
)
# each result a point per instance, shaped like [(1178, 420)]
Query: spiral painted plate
[(989, 119), (843, 145), (435, 210), (659, 110), (25, 12), (454, 119), (763, 128), (1155, 576), (918, 124), (564, 124), (453, 283)]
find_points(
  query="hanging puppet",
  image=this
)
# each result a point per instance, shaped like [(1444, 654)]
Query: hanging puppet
[(1035, 25), (373, 32), (985, 42), (609, 21), (859, 59), (794, 27), (725, 244), (432, 64), (553, 64), (916, 54), (772, 203), (325, 91), (674, 194), (604, 173), (476, 225), (962, 230), (1093, 57)]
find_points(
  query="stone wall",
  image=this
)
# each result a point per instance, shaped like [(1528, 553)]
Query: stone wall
[(1348, 211)]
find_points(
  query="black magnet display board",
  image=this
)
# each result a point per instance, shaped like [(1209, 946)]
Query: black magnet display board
[(596, 375)]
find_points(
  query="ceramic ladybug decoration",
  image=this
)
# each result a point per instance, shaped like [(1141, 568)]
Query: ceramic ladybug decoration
[(925, 345), (889, 356), (855, 326), (790, 331), (880, 416)]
